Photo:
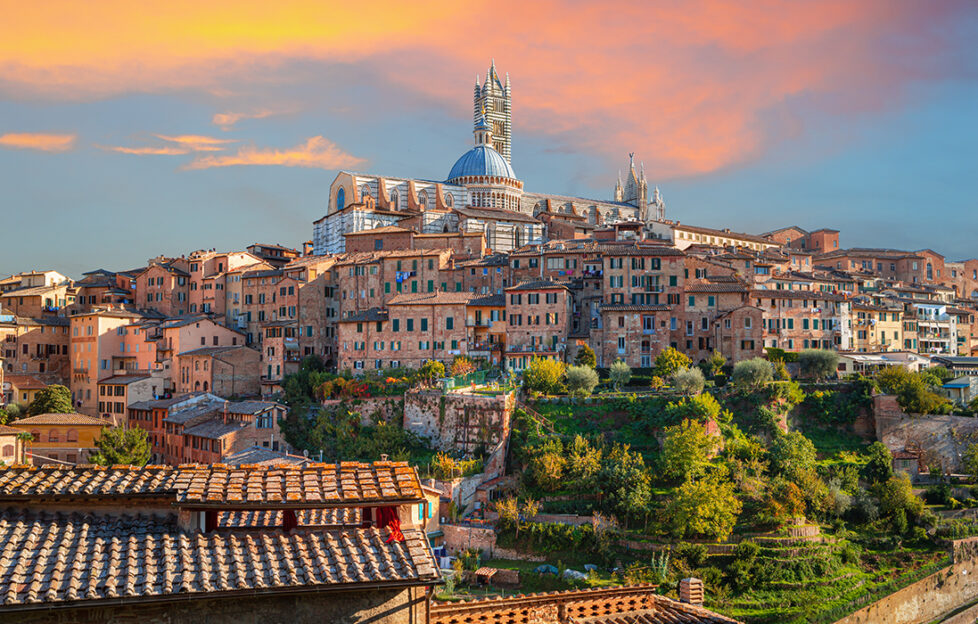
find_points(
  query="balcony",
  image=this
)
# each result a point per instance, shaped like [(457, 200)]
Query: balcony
[(592, 274), (481, 323), (538, 348)]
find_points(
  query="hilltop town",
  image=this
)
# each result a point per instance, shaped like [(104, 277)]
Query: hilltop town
[(459, 392)]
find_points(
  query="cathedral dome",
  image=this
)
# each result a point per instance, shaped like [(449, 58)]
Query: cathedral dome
[(481, 160)]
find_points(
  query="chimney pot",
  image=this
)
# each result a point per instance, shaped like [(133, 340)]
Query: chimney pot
[(691, 591)]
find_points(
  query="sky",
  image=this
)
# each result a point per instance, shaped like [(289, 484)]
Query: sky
[(129, 130)]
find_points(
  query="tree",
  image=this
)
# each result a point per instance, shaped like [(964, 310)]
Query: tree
[(818, 363), (689, 381), (583, 463), (620, 374), (706, 506), (752, 374), (585, 357), (54, 399), (430, 371), (122, 446), (508, 510), (581, 380), (670, 361), (544, 375), (686, 450), (969, 461), (625, 483), (791, 454), (462, 365), (897, 498), (701, 408), (879, 468), (715, 363), (4, 416), (913, 390), (784, 501), (547, 463)]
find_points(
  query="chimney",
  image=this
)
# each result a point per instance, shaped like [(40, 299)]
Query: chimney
[(383, 457), (691, 591), (224, 414)]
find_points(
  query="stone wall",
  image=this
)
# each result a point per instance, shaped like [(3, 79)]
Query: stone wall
[(460, 537), (942, 438), (459, 422), (383, 408), (378, 606), (932, 597)]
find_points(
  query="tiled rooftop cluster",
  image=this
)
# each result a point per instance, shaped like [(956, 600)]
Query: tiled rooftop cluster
[(193, 484), (55, 558)]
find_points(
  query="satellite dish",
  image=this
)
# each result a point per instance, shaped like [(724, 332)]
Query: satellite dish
[(305, 452)]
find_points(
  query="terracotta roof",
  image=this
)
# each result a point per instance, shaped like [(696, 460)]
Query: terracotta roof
[(621, 249), (366, 316), (5, 430), (666, 611), (538, 285), (387, 229), (25, 382), (435, 298), (61, 419), (65, 559), (700, 286), (265, 518), (260, 455), (635, 307), (723, 233), (312, 485)]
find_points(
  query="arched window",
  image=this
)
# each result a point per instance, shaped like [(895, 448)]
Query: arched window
[(364, 193), (71, 436), (449, 200), (517, 237), (205, 368), (205, 386), (341, 199), (423, 200), (53, 435), (393, 200), (197, 365), (196, 386), (8, 450), (36, 434)]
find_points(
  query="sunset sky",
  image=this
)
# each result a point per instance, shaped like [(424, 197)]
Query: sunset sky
[(131, 129)]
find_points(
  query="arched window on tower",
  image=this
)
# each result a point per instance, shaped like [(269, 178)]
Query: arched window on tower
[(517, 237), (341, 199), (449, 200), (393, 201), (423, 200)]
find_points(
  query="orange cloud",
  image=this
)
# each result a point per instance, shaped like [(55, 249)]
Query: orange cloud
[(227, 120), (196, 142), (182, 144), (42, 142), (317, 152), (685, 84)]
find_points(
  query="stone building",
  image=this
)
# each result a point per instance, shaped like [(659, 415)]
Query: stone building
[(537, 321), (67, 438), (218, 543), (796, 320), (36, 346), (225, 371)]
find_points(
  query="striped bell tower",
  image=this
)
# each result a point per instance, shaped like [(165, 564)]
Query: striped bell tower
[(494, 99)]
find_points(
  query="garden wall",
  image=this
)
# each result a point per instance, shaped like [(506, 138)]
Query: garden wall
[(459, 422), (374, 408), (930, 598)]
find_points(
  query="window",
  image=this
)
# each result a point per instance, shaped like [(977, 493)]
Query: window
[(424, 324), (410, 324), (449, 323)]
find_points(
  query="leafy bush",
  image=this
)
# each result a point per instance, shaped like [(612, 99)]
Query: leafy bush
[(688, 381), (581, 380), (702, 407), (431, 370), (818, 363), (585, 357), (670, 361), (620, 374), (752, 374), (544, 375), (686, 450)]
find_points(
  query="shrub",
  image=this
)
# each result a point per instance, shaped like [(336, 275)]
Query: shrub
[(462, 365), (54, 399), (585, 357), (818, 363), (702, 407), (430, 371), (752, 374), (689, 381), (879, 468), (581, 380), (620, 374), (544, 375), (686, 450), (670, 361)]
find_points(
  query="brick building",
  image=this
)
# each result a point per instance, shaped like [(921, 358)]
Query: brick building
[(117, 392), (537, 317), (164, 286), (206, 428), (36, 346), (225, 371), (68, 438), (796, 320)]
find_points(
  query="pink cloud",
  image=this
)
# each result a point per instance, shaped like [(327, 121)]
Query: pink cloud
[(317, 152)]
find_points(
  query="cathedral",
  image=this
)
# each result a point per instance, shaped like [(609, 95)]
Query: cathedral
[(481, 194)]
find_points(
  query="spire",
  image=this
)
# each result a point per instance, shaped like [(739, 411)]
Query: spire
[(477, 80), (507, 79)]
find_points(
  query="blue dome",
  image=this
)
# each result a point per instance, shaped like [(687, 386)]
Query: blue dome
[(481, 160)]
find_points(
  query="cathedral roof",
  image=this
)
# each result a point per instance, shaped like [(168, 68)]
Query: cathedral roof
[(481, 160)]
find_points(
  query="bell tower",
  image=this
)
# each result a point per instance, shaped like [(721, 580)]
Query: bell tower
[(494, 100)]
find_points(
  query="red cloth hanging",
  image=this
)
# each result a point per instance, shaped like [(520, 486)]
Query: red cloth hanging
[(289, 521), (387, 517)]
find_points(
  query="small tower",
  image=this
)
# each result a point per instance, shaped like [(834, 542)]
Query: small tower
[(619, 189), (493, 101)]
